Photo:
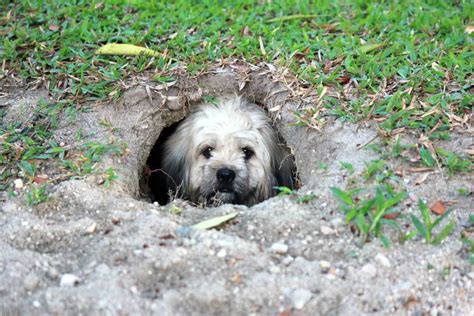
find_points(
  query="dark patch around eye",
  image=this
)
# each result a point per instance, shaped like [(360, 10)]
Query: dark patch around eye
[(248, 153), (206, 152)]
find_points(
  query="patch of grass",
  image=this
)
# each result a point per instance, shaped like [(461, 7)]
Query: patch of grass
[(299, 197), (454, 162), (425, 227), (403, 49), (371, 213), (347, 166), (28, 151)]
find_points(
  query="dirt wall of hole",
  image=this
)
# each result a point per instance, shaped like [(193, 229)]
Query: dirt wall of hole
[(145, 109)]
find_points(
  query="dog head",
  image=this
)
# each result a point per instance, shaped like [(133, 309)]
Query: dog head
[(227, 153)]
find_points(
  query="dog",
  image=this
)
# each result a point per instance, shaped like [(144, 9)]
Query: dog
[(226, 152)]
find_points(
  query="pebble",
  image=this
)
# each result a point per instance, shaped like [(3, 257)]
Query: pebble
[(279, 248), (52, 274), (18, 184), (222, 253), (370, 270), (91, 229), (69, 280), (383, 260), (174, 103), (31, 282), (325, 266), (336, 222), (325, 230), (300, 297), (471, 275), (287, 260)]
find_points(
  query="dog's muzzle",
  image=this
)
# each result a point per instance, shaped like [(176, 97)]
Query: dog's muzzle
[(224, 191)]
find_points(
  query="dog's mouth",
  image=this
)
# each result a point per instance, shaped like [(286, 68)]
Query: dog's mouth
[(223, 196)]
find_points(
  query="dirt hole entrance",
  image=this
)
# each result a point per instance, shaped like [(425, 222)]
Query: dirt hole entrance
[(244, 173)]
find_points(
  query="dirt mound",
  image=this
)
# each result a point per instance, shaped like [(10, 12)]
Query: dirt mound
[(92, 249)]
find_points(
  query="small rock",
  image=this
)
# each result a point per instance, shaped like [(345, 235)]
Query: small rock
[(222, 253), (471, 275), (174, 103), (300, 297), (36, 304), (9, 207), (336, 222), (325, 266), (370, 270), (31, 282), (325, 230), (279, 248), (382, 260), (52, 274), (69, 280), (103, 269), (18, 184), (287, 260), (91, 229)]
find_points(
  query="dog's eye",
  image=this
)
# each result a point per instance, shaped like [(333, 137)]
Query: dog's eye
[(248, 153), (206, 152)]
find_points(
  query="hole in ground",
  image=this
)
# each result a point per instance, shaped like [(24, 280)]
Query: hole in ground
[(244, 167)]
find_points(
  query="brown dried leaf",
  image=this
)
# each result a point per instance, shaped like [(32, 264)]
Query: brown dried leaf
[(438, 207), (344, 79), (53, 27), (327, 66), (420, 169), (300, 56), (391, 215), (246, 31), (469, 29), (421, 178), (40, 179)]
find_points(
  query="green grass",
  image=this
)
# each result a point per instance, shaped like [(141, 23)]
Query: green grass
[(411, 60)]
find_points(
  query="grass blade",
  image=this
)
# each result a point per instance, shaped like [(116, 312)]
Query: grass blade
[(292, 17), (419, 226), (444, 233), (343, 196)]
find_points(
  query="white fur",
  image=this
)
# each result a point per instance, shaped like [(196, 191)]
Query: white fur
[(228, 127)]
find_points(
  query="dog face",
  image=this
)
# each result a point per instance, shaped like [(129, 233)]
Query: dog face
[(226, 153)]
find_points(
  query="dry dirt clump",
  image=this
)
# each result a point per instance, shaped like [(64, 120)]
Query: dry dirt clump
[(91, 249)]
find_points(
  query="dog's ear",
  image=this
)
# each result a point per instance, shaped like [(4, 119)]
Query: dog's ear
[(283, 167)]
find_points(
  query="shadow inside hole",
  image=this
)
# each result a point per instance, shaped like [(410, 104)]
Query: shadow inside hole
[(153, 182)]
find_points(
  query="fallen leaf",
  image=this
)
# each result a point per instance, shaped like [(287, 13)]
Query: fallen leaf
[(216, 221), (292, 17), (246, 31), (368, 48), (391, 215), (327, 66), (40, 179), (421, 178), (469, 29), (301, 55), (125, 49), (438, 207), (469, 151), (344, 79), (420, 169), (53, 27)]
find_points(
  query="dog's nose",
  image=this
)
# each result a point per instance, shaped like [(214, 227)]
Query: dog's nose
[(225, 175)]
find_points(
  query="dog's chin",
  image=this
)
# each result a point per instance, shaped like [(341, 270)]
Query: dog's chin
[(223, 197)]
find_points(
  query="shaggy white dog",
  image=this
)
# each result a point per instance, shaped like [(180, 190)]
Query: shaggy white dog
[(226, 153)]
